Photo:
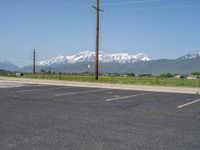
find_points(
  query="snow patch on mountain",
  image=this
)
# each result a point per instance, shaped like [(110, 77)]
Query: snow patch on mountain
[(191, 55), (87, 56), (5, 61)]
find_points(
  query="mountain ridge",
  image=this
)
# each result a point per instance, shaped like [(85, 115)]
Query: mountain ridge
[(87, 56)]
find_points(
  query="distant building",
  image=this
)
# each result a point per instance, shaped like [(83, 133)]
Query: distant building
[(193, 77), (19, 74), (178, 76)]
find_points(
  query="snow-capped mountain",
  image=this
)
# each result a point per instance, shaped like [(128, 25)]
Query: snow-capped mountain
[(87, 56), (120, 62), (7, 65), (191, 55)]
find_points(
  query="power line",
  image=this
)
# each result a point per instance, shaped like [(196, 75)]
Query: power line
[(127, 3), (161, 7), (107, 4), (74, 9)]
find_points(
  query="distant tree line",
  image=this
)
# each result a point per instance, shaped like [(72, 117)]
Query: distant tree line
[(129, 74), (5, 72), (196, 73)]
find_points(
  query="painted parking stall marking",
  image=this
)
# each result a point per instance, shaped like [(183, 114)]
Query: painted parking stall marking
[(129, 96), (31, 90), (187, 104), (75, 93), (10, 85)]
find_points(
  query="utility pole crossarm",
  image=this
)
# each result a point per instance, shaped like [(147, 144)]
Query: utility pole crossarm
[(97, 8)]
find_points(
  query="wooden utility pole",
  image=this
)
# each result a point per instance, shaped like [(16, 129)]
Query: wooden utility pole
[(34, 61), (97, 40)]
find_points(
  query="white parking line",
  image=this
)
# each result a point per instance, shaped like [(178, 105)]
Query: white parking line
[(82, 92), (129, 96), (10, 85), (39, 89), (184, 105)]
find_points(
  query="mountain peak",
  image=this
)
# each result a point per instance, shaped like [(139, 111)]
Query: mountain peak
[(191, 55), (4, 61), (7, 65)]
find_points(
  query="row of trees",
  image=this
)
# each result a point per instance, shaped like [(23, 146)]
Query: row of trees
[(196, 73), (4, 72), (163, 75)]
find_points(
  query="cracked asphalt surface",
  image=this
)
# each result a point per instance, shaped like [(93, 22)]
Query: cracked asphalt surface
[(36, 117)]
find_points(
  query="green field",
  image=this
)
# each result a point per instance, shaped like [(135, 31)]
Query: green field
[(120, 80)]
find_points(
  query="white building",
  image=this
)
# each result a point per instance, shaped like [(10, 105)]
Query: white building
[(192, 77)]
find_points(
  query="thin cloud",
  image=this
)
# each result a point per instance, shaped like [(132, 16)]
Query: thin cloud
[(162, 7)]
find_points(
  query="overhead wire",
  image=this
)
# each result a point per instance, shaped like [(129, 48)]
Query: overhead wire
[(127, 3), (109, 4)]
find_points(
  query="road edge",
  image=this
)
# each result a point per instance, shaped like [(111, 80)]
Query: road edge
[(102, 85)]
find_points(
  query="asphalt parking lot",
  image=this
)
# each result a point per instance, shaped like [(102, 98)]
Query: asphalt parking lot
[(38, 117)]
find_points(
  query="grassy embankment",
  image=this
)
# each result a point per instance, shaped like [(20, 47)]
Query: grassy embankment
[(120, 80)]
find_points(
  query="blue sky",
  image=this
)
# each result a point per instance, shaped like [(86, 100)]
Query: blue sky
[(160, 28)]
